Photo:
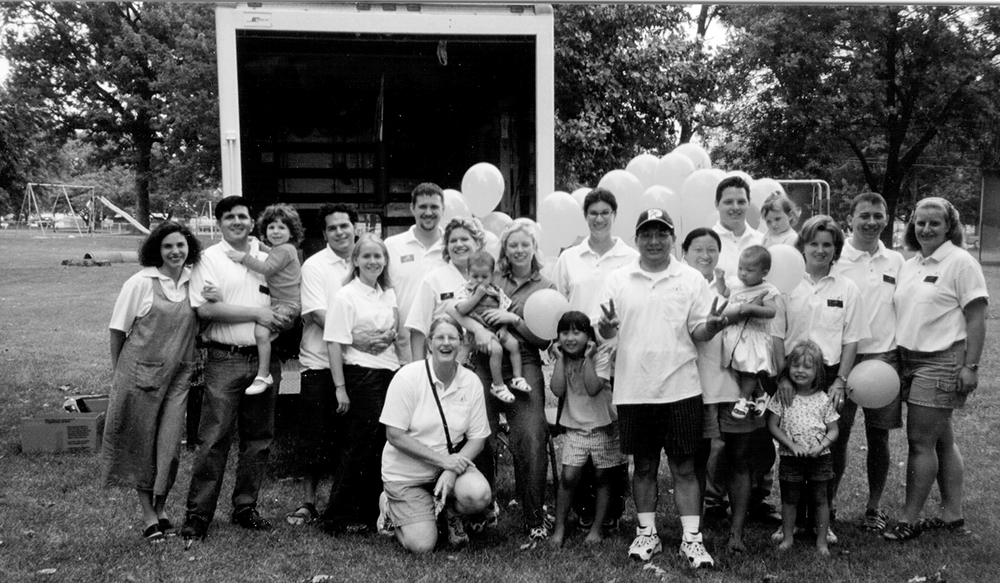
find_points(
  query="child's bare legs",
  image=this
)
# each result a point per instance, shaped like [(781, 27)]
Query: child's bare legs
[(738, 455), (821, 505), (513, 349), (601, 502), (567, 486), (499, 389), (790, 493), (262, 336)]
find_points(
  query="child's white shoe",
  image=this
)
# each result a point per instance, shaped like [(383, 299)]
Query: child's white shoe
[(741, 409), (259, 385), (760, 405), (520, 384), (503, 393)]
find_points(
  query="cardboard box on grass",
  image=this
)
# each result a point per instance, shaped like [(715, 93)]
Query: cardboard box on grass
[(87, 404), (62, 432)]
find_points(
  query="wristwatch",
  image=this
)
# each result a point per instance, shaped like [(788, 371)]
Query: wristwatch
[(972, 367)]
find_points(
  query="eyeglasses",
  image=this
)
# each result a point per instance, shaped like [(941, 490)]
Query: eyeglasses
[(449, 339), (602, 214), (650, 235)]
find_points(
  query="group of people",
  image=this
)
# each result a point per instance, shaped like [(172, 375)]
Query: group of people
[(413, 348)]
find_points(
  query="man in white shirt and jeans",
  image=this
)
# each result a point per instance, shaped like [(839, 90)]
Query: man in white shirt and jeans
[(231, 367)]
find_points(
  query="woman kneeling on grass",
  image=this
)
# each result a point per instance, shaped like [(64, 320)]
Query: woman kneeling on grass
[(153, 328), (435, 420)]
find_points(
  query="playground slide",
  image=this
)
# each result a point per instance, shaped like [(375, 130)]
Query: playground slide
[(127, 216)]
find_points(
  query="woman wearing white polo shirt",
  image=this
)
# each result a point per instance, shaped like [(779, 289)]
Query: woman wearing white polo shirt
[(825, 308), (940, 301), (462, 238), (427, 464), (365, 304)]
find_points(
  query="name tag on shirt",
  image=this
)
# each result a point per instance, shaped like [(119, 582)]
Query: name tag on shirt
[(888, 278), (835, 303), (264, 290), (406, 259), (931, 279), (447, 296)]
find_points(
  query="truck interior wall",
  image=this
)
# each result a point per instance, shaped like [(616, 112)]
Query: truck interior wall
[(363, 118)]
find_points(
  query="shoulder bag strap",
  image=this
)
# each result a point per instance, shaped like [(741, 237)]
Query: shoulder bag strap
[(437, 399)]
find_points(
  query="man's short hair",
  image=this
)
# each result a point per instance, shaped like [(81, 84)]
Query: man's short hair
[(731, 182), (872, 198), (229, 203), (330, 208), (426, 189)]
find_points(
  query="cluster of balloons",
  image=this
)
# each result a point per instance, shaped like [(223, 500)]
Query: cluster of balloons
[(682, 183)]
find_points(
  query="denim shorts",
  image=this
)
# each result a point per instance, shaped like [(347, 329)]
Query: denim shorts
[(805, 469), (930, 379)]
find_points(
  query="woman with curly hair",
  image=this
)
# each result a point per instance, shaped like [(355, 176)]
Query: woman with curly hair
[(153, 328)]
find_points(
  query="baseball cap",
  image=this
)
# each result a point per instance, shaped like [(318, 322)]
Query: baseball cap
[(654, 215)]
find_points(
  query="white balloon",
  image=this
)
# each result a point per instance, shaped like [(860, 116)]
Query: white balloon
[(753, 215), (542, 311), (454, 206), (496, 222), (562, 220), (698, 196), (483, 187), (746, 177), (762, 188), (581, 193), (787, 267), (672, 170), (643, 167), (627, 190), (698, 155)]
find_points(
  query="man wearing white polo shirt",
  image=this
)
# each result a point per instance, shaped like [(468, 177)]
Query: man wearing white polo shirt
[(322, 275), (231, 367), (416, 252), (874, 268), (657, 307)]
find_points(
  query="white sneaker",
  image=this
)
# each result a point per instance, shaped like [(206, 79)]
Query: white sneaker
[(259, 385), (645, 545), (384, 523), (694, 551)]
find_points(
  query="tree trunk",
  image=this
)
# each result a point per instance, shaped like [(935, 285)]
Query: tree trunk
[(143, 170)]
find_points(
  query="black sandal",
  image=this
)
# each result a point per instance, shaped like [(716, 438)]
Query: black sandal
[(956, 527), (902, 531), (152, 534)]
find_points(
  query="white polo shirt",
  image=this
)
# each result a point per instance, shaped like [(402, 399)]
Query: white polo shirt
[(136, 298), (435, 293), (580, 272), (930, 295), (323, 274), (656, 359), (732, 246), (410, 406), (719, 384), (358, 307), (875, 276), (237, 285), (409, 262), (828, 312)]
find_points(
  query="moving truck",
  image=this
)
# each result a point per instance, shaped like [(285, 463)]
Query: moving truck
[(360, 102)]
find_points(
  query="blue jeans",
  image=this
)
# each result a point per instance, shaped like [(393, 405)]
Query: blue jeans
[(528, 434), (227, 411)]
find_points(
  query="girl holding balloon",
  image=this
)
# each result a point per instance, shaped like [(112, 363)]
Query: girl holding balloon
[(941, 301), (825, 308)]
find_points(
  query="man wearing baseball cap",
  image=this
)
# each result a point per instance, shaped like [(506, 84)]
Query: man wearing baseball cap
[(658, 307)]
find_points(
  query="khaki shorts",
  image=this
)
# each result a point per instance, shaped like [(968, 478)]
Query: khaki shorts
[(410, 502)]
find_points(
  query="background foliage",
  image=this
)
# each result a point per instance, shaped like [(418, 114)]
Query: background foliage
[(896, 99)]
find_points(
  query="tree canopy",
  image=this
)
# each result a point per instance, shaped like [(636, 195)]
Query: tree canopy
[(889, 86), (628, 79), (135, 80)]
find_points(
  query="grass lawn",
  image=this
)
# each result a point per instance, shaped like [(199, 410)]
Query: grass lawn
[(54, 515)]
